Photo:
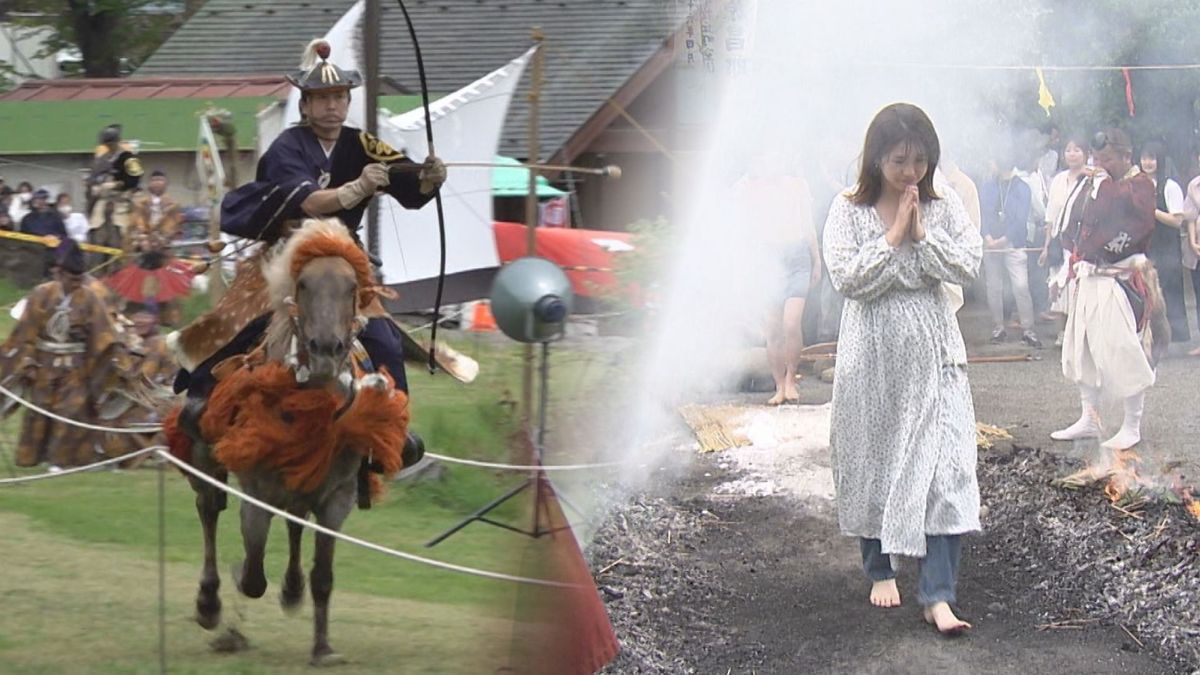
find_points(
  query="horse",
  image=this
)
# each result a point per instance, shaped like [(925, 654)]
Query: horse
[(294, 420)]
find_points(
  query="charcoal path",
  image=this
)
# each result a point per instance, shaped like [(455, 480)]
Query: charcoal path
[(765, 584)]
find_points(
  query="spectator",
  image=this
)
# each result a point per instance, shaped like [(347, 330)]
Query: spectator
[(75, 222), (1167, 243), (1030, 172), (6, 199), (19, 206), (1191, 252), (6, 222), (964, 187), (1051, 159), (1063, 189), (43, 221), (1004, 205), (780, 206)]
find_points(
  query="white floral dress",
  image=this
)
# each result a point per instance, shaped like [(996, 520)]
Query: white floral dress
[(903, 425)]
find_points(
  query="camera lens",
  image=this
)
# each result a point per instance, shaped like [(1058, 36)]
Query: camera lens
[(550, 309)]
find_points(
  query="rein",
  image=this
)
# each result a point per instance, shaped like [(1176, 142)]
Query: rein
[(298, 355)]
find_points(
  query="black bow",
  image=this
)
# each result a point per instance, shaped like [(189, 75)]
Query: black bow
[(437, 303)]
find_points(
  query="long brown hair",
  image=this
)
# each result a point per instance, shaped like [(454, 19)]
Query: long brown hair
[(897, 123)]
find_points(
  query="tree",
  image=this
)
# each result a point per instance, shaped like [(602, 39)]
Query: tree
[(112, 36)]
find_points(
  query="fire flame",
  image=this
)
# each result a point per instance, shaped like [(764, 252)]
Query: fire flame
[(1122, 475), (1191, 504)]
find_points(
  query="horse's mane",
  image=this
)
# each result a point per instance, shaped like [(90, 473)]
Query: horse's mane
[(315, 239)]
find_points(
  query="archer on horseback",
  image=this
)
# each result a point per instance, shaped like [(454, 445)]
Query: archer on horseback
[(317, 168)]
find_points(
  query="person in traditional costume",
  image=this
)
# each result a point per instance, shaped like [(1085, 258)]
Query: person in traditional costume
[(116, 174), (1115, 295), (902, 432), (318, 168), (154, 211), (155, 279), (61, 352), (147, 366)]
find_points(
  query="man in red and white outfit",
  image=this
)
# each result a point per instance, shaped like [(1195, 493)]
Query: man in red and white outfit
[(1106, 346)]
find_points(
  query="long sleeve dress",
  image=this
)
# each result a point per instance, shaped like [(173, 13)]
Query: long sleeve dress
[(903, 425)]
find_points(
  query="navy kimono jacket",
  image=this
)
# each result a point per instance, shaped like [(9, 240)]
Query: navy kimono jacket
[(296, 165)]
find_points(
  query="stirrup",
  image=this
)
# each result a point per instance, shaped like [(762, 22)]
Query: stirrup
[(414, 450)]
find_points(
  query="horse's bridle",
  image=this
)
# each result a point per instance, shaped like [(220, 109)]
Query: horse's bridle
[(298, 357)]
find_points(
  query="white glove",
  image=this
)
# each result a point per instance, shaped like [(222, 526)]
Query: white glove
[(433, 174), (373, 177)]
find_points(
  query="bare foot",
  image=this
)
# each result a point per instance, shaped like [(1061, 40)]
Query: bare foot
[(777, 399), (791, 394), (940, 615), (1194, 352), (885, 594)]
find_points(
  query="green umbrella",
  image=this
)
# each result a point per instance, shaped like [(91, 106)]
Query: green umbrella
[(512, 180)]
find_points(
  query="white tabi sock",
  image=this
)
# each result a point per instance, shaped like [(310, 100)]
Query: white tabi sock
[(1130, 433), (1088, 424)]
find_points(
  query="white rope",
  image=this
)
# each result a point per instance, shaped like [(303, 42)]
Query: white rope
[(80, 469), (523, 467), (144, 429), (153, 428), (355, 540)]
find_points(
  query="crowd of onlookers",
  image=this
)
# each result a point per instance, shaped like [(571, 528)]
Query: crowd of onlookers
[(29, 210), (1017, 198)]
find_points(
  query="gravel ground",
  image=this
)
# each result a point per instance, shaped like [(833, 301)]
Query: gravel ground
[(702, 578)]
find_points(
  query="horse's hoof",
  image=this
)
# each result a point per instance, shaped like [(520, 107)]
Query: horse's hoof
[(291, 598), (328, 658), (253, 590), (208, 614), (230, 642)]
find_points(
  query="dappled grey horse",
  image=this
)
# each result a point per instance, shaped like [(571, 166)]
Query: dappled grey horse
[(316, 300)]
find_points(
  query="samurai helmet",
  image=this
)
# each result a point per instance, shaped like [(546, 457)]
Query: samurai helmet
[(317, 73), (110, 134)]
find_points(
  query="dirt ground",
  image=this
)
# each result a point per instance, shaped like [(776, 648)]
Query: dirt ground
[(757, 579)]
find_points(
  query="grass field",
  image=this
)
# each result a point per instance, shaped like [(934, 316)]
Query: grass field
[(78, 572)]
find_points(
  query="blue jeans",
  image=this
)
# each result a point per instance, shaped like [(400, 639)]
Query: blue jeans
[(939, 567)]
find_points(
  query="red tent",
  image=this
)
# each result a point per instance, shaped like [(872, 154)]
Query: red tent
[(587, 256)]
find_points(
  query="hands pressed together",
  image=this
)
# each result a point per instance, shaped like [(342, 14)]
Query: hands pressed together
[(907, 224)]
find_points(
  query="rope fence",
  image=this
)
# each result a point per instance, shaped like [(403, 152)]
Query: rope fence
[(499, 576), (154, 428), (80, 469)]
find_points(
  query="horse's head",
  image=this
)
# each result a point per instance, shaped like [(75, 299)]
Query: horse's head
[(319, 283), (324, 308)]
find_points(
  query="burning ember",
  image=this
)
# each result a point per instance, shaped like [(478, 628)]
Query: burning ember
[(1191, 504), (1123, 476), (1127, 488)]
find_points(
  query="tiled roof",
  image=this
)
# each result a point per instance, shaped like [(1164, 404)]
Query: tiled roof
[(149, 88), (593, 48)]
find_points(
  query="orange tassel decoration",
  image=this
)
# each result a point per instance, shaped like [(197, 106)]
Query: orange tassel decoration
[(262, 420)]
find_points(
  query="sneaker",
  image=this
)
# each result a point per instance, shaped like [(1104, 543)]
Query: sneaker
[(1058, 341), (999, 335), (1030, 338)]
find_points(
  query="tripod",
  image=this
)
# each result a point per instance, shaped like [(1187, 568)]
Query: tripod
[(543, 491)]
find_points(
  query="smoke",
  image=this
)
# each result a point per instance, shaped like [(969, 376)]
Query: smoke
[(806, 83)]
